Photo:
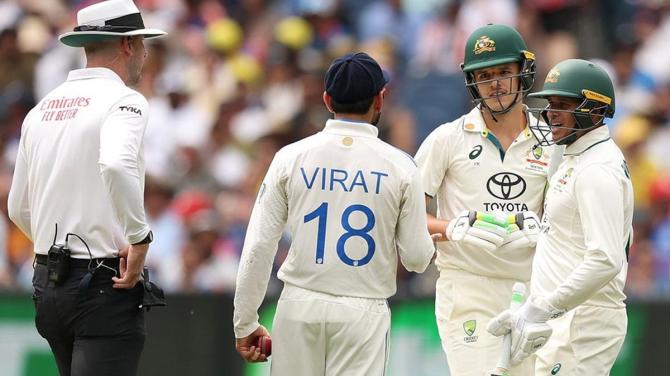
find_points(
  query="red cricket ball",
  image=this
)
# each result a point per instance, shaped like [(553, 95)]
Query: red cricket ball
[(264, 343)]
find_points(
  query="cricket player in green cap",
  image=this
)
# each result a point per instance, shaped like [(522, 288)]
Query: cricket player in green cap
[(488, 177), (581, 261)]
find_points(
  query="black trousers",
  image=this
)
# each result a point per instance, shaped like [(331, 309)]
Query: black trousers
[(93, 331)]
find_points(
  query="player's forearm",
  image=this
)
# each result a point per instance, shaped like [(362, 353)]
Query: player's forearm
[(18, 207), (265, 228), (19, 213), (437, 226), (416, 255), (413, 241), (252, 281), (124, 186), (591, 275)]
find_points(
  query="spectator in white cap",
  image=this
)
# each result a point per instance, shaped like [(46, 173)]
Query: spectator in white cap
[(77, 193)]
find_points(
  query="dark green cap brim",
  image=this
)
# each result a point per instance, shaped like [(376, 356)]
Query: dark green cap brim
[(492, 63), (558, 93)]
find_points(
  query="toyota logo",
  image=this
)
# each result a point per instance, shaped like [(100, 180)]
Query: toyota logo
[(506, 186)]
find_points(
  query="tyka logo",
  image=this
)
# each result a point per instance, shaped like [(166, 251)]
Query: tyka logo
[(131, 109), (506, 185), (475, 152)]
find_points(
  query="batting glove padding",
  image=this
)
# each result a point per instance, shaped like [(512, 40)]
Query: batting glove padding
[(528, 326), (522, 232), (483, 230)]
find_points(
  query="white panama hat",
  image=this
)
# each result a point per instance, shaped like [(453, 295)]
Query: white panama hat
[(106, 20)]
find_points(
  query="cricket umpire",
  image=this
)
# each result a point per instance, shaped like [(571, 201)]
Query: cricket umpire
[(77, 193)]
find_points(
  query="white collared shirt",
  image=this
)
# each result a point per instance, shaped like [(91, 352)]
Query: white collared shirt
[(353, 205), (464, 167), (80, 165), (582, 251)]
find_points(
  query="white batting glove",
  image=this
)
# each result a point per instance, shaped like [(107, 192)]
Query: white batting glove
[(528, 326), (483, 230), (523, 232)]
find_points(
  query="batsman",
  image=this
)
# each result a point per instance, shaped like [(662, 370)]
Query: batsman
[(489, 179), (581, 261)]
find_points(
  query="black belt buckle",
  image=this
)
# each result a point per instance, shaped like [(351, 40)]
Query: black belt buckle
[(153, 295), (58, 263)]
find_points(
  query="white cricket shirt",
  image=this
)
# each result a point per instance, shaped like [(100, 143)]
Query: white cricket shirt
[(352, 204), (582, 251), (464, 167), (80, 165)]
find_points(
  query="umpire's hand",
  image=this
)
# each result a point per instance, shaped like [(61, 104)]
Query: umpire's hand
[(130, 266), (247, 346)]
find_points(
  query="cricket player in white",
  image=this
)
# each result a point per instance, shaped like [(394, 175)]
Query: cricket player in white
[(580, 264), (484, 161), (353, 204)]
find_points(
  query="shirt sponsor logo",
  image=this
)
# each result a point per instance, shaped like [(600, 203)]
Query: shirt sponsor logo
[(64, 102), (476, 151), (63, 108), (506, 185), (510, 207), (131, 109), (470, 327)]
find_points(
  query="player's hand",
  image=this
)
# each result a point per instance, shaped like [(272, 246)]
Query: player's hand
[(528, 326), (483, 230), (522, 231), (130, 266), (247, 346)]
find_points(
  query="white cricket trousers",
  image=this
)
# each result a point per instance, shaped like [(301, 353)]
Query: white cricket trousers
[(464, 304), (321, 334), (585, 341)]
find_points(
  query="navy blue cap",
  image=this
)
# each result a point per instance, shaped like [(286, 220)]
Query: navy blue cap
[(355, 77)]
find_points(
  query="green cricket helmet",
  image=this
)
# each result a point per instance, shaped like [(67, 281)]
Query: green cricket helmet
[(493, 45), (581, 80)]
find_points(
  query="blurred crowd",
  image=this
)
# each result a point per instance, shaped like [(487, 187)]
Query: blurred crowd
[(236, 80)]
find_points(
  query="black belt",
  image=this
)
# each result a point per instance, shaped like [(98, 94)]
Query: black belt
[(83, 263)]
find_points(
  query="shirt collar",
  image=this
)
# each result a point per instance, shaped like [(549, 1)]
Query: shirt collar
[(350, 128), (87, 73), (587, 141), (474, 122)]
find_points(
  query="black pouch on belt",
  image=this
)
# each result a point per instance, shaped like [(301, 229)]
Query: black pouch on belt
[(153, 295), (58, 263)]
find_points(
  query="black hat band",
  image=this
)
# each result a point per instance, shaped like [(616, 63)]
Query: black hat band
[(121, 24)]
